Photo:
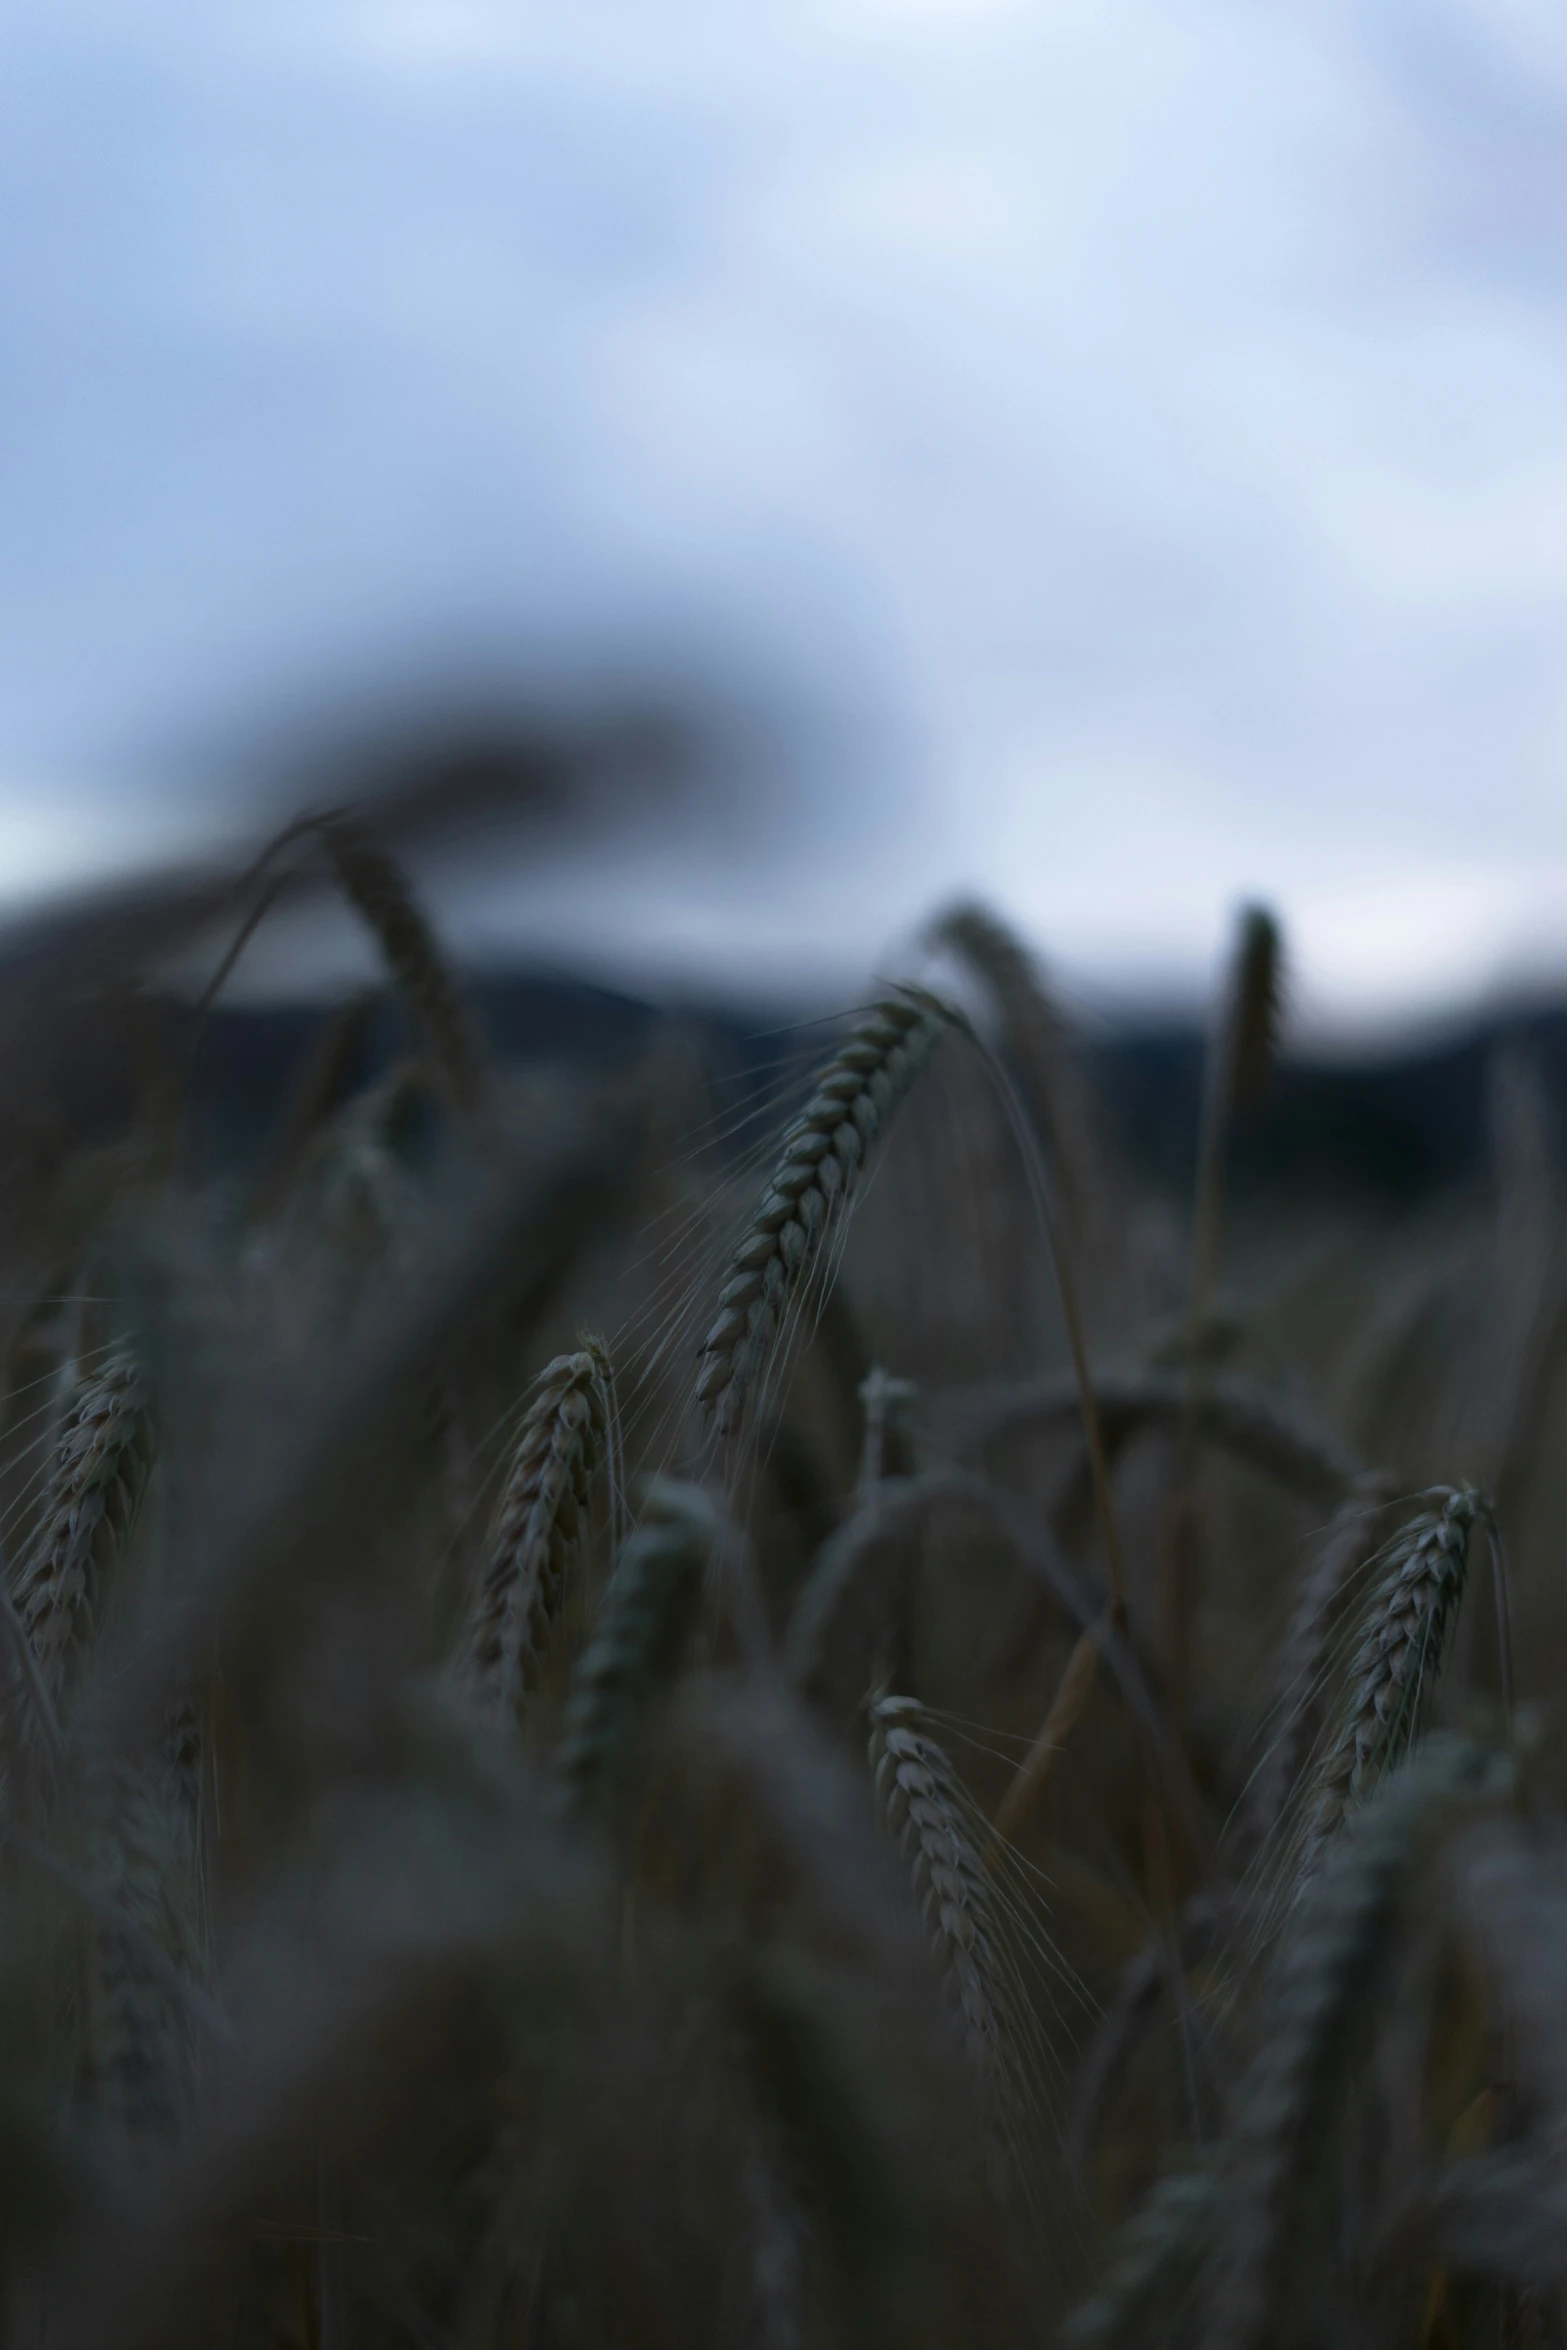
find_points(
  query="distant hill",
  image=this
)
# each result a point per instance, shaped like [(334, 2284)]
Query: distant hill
[(1399, 1124)]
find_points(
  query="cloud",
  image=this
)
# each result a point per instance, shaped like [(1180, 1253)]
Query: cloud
[(1157, 414)]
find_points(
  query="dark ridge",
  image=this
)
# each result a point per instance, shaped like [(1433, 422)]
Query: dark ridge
[(1398, 1126), (1395, 1128)]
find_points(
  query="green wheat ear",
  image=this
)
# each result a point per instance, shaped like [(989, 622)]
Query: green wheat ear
[(820, 1160), (537, 1525), (645, 1619)]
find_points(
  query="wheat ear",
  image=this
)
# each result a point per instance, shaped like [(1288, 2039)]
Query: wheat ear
[(102, 1456), (536, 1525), (921, 1804), (819, 1161), (1234, 1074), (1398, 1657), (1348, 1548), (1318, 2020), (142, 1956), (1154, 2260), (376, 886), (645, 1617)]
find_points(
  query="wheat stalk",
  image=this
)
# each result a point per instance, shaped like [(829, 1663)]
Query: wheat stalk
[(1153, 2263), (97, 1477), (1398, 1657), (375, 884), (820, 1158), (537, 1523), (1234, 1412), (923, 1808), (645, 1618), (1036, 1046), (1033, 1773), (1236, 1070), (1318, 2019)]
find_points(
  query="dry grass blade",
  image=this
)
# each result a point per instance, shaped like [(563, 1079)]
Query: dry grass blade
[(96, 1480), (1397, 1659), (819, 1161), (536, 1525), (376, 886)]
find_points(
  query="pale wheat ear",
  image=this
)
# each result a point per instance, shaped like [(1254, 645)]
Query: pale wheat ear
[(811, 1188), (537, 1526)]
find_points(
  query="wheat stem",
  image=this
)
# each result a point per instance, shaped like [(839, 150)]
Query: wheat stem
[(1066, 1710), (1318, 2019)]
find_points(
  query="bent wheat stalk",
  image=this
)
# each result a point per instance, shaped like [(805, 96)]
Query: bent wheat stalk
[(1035, 1044), (536, 1526), (820, 1160), (376, 886)]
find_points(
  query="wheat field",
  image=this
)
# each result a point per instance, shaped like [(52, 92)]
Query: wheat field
[(771, 1708)]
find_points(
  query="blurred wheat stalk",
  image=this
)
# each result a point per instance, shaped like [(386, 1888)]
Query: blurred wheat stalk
[(736, 1830)]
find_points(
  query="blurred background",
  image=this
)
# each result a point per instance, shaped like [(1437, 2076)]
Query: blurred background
[(1111, 458)]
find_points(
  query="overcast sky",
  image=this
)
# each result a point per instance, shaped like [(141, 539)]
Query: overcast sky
[(1137, 429)]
